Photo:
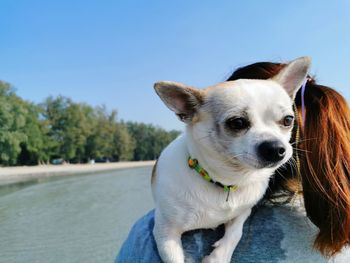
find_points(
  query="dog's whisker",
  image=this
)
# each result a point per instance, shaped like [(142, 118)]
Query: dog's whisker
[(292, 162), (301, 150), (303, 140), (279, 173)]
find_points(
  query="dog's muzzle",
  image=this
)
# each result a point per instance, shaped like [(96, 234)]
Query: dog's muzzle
[(271, 152)]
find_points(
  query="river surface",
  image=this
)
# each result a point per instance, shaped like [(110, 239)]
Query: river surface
[(81, 218)]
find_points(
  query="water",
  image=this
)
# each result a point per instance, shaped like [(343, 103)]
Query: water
[(72, 219)]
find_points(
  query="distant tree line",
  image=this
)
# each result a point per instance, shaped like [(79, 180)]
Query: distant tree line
[(60, 128)]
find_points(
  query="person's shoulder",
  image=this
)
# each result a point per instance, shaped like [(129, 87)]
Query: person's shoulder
[(292, 234), (140, 245), (271, 234)]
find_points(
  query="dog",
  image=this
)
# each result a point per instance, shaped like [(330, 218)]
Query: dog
[(237, 134)]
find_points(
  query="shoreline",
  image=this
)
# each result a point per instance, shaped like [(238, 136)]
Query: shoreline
[(16, 174)]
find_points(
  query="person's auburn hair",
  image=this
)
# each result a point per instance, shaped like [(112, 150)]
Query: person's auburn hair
[(324, 153)]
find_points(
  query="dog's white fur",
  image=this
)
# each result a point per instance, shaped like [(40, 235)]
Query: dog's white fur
[(184, 201)]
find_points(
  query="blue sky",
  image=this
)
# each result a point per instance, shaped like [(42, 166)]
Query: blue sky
[(111, 52)]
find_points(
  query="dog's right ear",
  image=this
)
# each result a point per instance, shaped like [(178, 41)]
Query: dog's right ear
[(181, 99), (292, 76)]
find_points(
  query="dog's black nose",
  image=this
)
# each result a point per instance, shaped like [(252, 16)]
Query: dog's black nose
[(271, 151)]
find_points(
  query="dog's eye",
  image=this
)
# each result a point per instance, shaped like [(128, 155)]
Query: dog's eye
[(288, 120), (237, 123)]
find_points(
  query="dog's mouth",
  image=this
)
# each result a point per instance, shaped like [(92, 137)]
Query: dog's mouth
[(269, 165), (250, 161)]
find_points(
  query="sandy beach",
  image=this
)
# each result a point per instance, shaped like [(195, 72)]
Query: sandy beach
[(16, 174)]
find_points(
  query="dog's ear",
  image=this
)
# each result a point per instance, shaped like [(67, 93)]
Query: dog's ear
[(292, 76), (183, 100)]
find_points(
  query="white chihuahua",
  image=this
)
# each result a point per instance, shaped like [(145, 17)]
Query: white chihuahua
[(237, 135)]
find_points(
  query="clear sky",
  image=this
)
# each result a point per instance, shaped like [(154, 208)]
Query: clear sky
[(111, 52)]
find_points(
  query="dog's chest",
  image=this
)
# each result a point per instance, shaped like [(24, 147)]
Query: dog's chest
[(210, 208)]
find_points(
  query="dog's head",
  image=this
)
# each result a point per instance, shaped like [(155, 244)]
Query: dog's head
[(246, 122)]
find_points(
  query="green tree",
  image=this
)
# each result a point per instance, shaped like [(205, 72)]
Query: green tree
[(70, 126), (109, 139), (100, 142), (149, 140), (12, 120), (124, 143), (36, 148)]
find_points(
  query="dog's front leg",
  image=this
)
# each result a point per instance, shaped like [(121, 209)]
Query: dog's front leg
[(168, 241), (226, 245)]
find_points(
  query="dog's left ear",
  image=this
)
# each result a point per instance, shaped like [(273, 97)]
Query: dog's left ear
[(183, 100), (291, 77)]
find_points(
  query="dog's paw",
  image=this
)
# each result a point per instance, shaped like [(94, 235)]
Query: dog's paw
[(207, 259), (211, 259), (218, 255)]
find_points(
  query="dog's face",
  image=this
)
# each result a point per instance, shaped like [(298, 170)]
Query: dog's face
[(246, 122)]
